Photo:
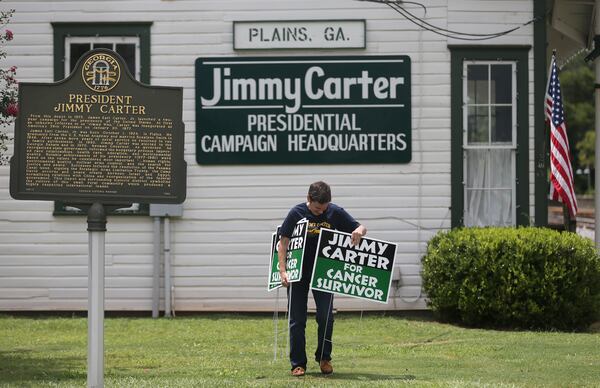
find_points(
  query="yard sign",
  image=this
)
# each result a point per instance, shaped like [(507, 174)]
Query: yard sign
[(295, 254), (362, 271)]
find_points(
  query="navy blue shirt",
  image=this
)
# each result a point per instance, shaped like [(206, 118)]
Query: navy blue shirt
[(334, 217)]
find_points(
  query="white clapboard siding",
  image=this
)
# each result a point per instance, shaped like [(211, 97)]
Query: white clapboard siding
[(220, 247)]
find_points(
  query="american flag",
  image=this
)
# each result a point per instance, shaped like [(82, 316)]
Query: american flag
[(561, 176)]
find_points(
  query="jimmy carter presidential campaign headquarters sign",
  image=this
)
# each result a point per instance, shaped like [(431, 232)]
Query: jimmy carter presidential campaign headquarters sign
[(295, 255), (362, 271), (285, 110)]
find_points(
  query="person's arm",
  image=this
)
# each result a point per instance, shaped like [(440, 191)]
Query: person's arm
[(281, 257), (358, 233), (347, 223)]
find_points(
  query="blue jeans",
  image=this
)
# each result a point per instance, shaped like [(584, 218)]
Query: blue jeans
[(297, 315)]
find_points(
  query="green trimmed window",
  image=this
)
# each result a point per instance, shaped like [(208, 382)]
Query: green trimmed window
[(489, 137), (130, 40)]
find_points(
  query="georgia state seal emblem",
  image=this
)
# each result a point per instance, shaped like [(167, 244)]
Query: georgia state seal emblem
[(101, 72)]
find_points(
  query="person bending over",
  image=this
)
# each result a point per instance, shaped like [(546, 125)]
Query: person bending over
[(320, 212)]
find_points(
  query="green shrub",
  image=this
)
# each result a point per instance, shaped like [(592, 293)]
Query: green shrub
[(531, 278)]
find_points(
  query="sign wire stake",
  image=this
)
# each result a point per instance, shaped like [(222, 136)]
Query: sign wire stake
[(325, 330), (276, 324), (289, 317)]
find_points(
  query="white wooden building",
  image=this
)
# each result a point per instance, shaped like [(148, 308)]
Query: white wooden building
[(220, 246)]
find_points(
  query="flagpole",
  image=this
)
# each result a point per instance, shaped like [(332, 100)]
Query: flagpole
[(597, 161), (569, 223)]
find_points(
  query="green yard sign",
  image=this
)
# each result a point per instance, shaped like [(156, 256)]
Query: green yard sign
[(274, 278), (363, 271), (299, 110), (295, 255)]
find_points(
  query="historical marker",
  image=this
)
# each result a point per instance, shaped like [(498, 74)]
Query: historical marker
[(99, 136)]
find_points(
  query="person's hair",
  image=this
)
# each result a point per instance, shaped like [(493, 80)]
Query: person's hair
[(319, 192)]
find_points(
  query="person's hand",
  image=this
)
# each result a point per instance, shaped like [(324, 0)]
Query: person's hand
[(357, 234), (284, 278)]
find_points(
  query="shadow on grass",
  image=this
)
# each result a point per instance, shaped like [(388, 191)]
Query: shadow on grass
[(357, 376), (407, 315), (410, 315), (22, 366)]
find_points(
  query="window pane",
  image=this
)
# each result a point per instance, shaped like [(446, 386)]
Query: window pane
[(488, 208), (127, 51), (477, 169), (500, 208), (477, 84), (477, 124), (77, 51), (476, 208), (501, 168), (501, 124), (103, 45), (501, 84)]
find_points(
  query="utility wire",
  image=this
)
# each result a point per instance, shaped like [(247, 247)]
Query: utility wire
[(395, 1), (396, 6), (452, 34)]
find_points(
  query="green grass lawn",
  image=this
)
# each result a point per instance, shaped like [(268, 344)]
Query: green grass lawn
[(238, 350)]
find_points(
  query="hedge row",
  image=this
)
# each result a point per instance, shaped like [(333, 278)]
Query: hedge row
[(531, 278)]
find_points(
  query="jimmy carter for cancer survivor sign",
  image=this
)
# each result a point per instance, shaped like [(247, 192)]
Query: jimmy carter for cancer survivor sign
[(363, 271), (292, 110)]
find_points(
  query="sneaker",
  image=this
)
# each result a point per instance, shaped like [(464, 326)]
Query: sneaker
[(298, 371), (326, 367)]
